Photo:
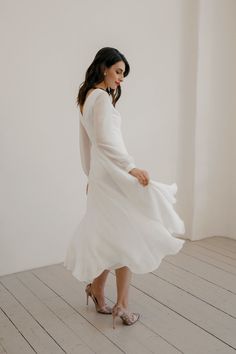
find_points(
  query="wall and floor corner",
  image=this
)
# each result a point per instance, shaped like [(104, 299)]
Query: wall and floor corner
[(179, 94)]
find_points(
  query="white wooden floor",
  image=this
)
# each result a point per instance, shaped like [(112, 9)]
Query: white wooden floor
[(188, 305)]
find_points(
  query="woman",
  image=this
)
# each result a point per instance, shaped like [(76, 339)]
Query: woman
[(129, 217)]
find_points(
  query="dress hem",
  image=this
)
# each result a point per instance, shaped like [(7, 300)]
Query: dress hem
[(112, 267)]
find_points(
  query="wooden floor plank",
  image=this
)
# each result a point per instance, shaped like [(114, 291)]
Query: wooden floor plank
[(167, 324), (200, 288), (26, 324), (187, 305), (224, 242), (187, 336), (2, 350), (77, 323), (218, 249), (198, 312), (135, 339), (66, 340), (206, 271), (12, 342), (210, 257)]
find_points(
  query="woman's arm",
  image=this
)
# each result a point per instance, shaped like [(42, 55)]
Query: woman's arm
[(107, 137)]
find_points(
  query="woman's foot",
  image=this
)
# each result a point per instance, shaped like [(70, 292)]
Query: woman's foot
[(98, 299), (128, 318), (99, 294)]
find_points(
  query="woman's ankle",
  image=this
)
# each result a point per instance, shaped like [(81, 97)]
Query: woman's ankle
[(97, 289), (123, 305)]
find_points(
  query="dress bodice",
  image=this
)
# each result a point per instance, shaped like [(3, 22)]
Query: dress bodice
[(100, 126)]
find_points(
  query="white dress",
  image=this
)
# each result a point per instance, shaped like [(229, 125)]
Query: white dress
[(125, 223)]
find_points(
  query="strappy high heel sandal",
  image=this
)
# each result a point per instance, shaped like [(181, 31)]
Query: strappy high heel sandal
[(101, 309), (128, 318)]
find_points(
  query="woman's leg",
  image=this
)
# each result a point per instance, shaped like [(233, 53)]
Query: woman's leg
[(98, 285), (123, 277)]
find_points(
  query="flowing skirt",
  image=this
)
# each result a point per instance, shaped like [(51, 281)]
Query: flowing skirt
[(125, 223)]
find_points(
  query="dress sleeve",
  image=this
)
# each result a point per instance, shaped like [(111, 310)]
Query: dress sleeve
[(85, 146), (108, 137)]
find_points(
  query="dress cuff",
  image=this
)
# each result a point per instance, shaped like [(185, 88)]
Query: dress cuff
[(130, 167)]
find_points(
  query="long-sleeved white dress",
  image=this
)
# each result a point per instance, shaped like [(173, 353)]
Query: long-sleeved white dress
[(125, 223)]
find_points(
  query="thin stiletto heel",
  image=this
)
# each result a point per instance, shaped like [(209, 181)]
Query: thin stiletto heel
[(101, 309), (87, 295), (114, 320)]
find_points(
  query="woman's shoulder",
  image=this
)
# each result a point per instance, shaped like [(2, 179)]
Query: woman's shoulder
[(101, 93), (97, 92), (101, 96)]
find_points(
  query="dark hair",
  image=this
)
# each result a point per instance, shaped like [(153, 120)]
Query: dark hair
[(105, 58)]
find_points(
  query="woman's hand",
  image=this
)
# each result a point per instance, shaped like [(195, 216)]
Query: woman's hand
[(141, 175)]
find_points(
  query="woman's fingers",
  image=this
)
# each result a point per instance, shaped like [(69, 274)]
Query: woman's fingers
[(143, 177), (146, 175)]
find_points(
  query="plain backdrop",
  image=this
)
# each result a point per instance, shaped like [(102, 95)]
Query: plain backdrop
[(177, 106)]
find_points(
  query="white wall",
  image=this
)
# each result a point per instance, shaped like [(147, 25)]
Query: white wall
[(215, 145), (46, 48)]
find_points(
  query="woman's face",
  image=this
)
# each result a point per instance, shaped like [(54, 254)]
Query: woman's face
[(115, 75)]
